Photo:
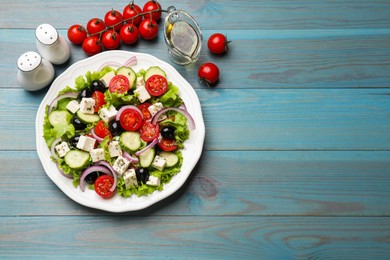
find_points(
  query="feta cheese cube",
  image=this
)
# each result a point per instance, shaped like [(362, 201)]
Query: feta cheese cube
[(153, 181), (121, 165), (97, 154), (159, 163), (142, 94), (107, 78), (86, 143), (114, 149), (73, 106), (62, 149), (87, 106), (140, 81), (108, 114), (153, 109), (130, 178)]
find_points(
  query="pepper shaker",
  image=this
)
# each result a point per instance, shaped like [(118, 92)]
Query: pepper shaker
[(51, 45)]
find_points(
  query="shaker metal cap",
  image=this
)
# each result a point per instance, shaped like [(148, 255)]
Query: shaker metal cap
[(46, 34), (29, 61)]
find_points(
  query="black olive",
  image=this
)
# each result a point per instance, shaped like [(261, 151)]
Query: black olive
[(74, 140), (97, 85), (91, 178), (85, 93), (142, 175), (78, 125), (168, 132), (115, 128)]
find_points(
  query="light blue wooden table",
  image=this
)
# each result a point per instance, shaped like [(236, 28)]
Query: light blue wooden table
[(296, 162)]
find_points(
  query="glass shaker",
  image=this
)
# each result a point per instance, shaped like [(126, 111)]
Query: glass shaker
[(183, 36), (51, 45), (34, 71)]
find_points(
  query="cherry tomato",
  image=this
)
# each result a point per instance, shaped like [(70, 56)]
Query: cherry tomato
[(102, 130), (145, 111), (218, 43), (77, 34), (148, 131), (114, 19), (152, 6), (167, 145), (148, 29), (130, 11), (103, 185), (111, 40), (209, 73), (129, 34), (95, 26), (119, 84), (91, 45), (99, 100), (130, 120), (156, 85)]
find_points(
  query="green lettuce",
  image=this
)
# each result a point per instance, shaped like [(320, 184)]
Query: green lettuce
[(178, 121), (51, 133)]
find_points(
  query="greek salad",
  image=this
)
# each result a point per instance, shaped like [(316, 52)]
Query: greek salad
[(118, 131)]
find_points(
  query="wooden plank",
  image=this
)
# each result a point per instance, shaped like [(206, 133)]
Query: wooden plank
[(252, 119), (215, 15), (232, 183), (195, 237), (258, 58)]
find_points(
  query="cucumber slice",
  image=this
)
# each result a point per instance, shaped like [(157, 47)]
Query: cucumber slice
[(77, 159), (88, 118), (129, 73), (146, 158), (153, 71), (171, 158), (59, 117), (130, 140)]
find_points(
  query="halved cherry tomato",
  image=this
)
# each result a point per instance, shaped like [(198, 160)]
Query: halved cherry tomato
[(145, 111), (119, 84), (103, 185), (148, 131), (167, 145), (130, 120), (99, 100), (156, 85), (102, 130)]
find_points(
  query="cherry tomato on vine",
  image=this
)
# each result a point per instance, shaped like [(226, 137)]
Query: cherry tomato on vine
[(130, 11), (114, 18), (152, 6), (111, 39), (91, 45), (148, 29), (217, 43), (103, 185), (101, 129), (129, 34), (156, 85), (209, 73), (95, 25), (77, 34)]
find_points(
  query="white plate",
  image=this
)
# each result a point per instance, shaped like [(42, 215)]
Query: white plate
[(191, 152)]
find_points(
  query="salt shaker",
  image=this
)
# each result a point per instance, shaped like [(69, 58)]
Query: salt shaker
[(34, 71), (51, 45)]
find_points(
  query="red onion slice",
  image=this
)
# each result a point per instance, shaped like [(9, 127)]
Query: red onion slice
[(131, 61), (90, 170), (191, 122), (153, 143), (95, 136), (130, 158), (110, 64), (53, 148), (118, 115), (113, 172), (53, 104)]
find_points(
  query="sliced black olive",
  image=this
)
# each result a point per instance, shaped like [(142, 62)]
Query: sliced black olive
[(97, 85), (78, 125), (115, 128), (74, 140), (85, 93), (168, 132), (91, 178), (142, 175)]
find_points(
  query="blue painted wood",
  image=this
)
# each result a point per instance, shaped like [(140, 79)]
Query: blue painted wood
[(296, 158)]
